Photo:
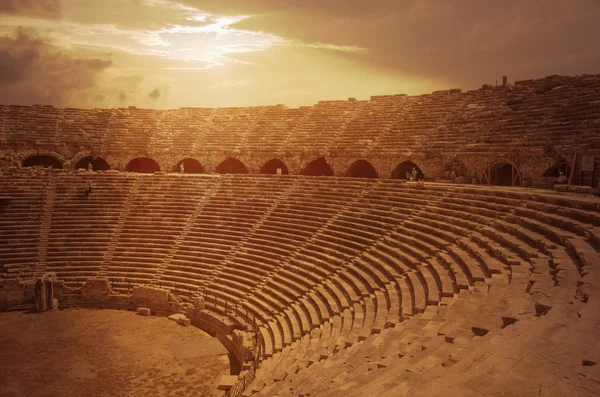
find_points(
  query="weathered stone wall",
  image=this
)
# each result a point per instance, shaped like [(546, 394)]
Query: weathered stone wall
[(531, 123), (15, 293)]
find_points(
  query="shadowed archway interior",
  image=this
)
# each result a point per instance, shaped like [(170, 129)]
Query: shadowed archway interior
[(231, 166), (361, 169), (42, 161), (401, 170), (190, 166), (143, 165), (98, 163), (271, 167), (318, 167), (561, 166)]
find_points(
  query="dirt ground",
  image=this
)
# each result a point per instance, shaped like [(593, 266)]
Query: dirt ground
[(80, 352)]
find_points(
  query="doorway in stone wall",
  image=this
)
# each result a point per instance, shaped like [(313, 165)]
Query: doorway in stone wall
[(45, 161), (361, 169), (501, 172)]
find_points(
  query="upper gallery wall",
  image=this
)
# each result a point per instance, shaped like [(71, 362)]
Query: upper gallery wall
[(532, 124)]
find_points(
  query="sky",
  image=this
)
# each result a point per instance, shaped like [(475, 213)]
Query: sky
[(163, 54)]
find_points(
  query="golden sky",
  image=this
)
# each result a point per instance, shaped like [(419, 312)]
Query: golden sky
[(216, 53)]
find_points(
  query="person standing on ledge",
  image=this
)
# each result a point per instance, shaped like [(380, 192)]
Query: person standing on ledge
[(181, 168), (415, 174), (90, 167)]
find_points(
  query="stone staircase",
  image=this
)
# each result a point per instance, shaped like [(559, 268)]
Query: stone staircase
[(157, 279), (114, 241), (45, 225)]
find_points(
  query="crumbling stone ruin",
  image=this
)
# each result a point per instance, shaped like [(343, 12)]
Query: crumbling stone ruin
[(329, 285), (520, 134)]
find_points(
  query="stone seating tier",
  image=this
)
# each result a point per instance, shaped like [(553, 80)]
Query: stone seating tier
[(352, 281), (558, 110)]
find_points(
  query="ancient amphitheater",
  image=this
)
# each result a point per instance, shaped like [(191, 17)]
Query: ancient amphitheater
[(294, 237)]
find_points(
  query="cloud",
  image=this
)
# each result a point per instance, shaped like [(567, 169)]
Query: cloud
[(155, 94), (32, 8), (34, 71), (341, 8), (462, 42)]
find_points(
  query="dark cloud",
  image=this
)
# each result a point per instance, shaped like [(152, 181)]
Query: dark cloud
[(461, 42), (34, 71), (338, 8), (130, 14), (155, 94), (34, 8)]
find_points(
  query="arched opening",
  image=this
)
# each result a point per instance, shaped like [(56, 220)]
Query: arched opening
[(502, 172), (42, 161), (404, 170), (561, 166), (143, 165), (97, 163), (318, 167), (361, 169), (190, 166), (273, 167), (231, 166)]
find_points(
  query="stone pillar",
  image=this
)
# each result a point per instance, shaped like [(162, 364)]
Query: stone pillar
[(504, 80), (41, 296)]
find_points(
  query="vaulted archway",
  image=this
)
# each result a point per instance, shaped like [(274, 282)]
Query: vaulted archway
[(404, 170), (231, 166), (560, 166), (98, 163), (318, 167), (272, 167), (143, 165), (42, 161), (501, 172), (190, 166), (361, 169)]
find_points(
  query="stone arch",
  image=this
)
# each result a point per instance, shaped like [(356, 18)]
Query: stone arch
[(317, 167), (98, 163), (560, 166), (190, 166), (231, 166), (406, 167), (42, 160), (361, 169), (271, 167), (501, 172), (143, 165)]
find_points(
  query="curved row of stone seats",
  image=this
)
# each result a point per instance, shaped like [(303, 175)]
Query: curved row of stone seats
[(270, 131), (515, 285), (422, 115), (20, 218), (82, 226), (271, 297), (375, 118), (186, 127), (222, 222), (156, 216), (333, 265), (556, 110), (324, 120)]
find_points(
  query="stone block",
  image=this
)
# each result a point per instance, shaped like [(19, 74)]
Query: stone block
[(143, 311), (150, 293), (227, 382), (180, 319), (561, 188), (199, 303), (95, 287)]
